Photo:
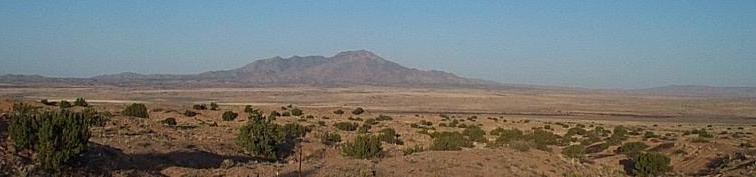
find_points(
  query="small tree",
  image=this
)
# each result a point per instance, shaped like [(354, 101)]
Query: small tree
[(651, 164), (80, 102), (136, 110), (328, 138), (260, 138), (56, 137), (229, 116), (358, 111), (363, 147), (213, 106)]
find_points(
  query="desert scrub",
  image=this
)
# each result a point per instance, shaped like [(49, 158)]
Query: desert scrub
[(260, 137), (329, 138), (214, 106), (189, 113), (651, 164), (64, 104), (296, 112), (169, 121), (389, 135), (358, 111), (475, 133), (338, 112), (136, 110), (80, 102), (55, 136), (414, 149), (449, 141), (229, 116), (632, 149), (363, 147), (574, 151), (346, 126)]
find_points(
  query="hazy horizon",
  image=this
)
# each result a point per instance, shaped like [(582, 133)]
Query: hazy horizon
[(591, 44)]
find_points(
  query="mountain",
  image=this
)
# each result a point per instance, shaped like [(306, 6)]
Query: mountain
[(697, 90), (347, 68)]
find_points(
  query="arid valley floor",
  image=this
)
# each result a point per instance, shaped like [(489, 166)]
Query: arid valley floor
[(203, 145)]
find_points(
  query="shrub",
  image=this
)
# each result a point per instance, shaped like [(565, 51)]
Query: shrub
[(328, 138), (296, 112), (346, 126), (449, 141), (506, 136), (363, 147), (338, 111), (214, 106), (383, 118), (169, 121), (574, 151), (474, 133), (370, 122), (650, 134), (365, 128), (56, 137), (389, 135), (136, 110), (651, 164), (249, 109), (575, 131), (229, 116), (497, 131), (48, 103), (261, 138), (199, 107), (65, 104), (189, 113), (80, 102), (412, 150), (619, 134), (426, 123), (293, 130), (632, 149), (358, 111)]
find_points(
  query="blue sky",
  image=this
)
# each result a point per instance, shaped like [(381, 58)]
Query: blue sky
[(594, 44)]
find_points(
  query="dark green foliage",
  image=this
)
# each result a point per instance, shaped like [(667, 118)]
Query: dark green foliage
[(296, 112), (199, 107), (169, 121), (497, 131), (293, 130), (509, 135), (80, 102), (339, 112), (575, 131), (412, 150), (136, 110), (539, 139), (363, 147), (389, 135), (475, 133), (48, 103), (56, 137), (426, 123), (365, 128), (346, 126), (249, 109), (370, 122), (229, 116), (597, 148), (328, 138), (449, 141), (702, 133), (261, 138), (189, 113), (358, 111), (650, 134), (213, 106), (618, 135), (64, 104), (574, 151), (632, 149), (651, 164)]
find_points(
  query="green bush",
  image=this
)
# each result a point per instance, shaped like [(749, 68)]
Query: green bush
[(56, 137), (346, 126), (651, 164), (64, 104), (213, 106), (199, 107), (136, 110), (80, 102), (449, 141), (363, 147), (328, 138), (619, 134), (189, 113), (389, 135), (365, 128), (574, 151), (338, 111), (296, 112), (293, 130), (506, 136), (358, 111), (497, 131), (632, 149), (576, 131), (229, 116), (169, 121), (261, 138), (250, 109), (475, 133)]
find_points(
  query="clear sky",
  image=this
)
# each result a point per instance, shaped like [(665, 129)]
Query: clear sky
[(590, 43)]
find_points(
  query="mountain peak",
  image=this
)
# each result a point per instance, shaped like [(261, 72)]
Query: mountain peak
[(357, 54)]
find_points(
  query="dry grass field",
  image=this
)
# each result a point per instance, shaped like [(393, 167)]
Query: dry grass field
[(204, 145)]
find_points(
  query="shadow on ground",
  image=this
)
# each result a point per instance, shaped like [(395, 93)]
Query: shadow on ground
[(103, 159)]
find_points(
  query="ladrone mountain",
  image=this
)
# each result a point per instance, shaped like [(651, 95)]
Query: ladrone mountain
[(343, 69)]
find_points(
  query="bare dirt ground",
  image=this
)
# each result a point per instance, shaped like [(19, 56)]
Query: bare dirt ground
[(204, 145)]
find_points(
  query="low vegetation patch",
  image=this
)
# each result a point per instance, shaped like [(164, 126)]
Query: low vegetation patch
[(229, 116), (449, 141), (363, 147), (136, 110)]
